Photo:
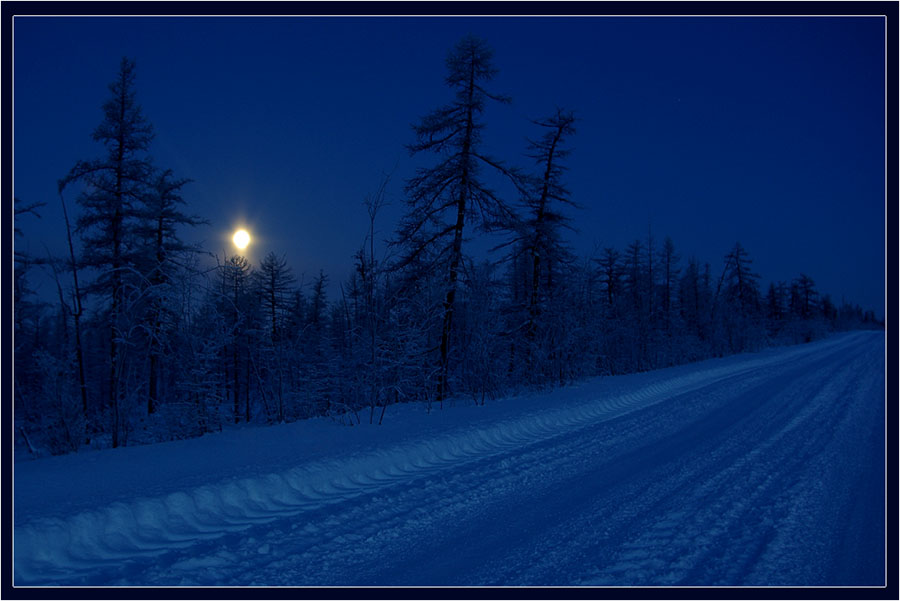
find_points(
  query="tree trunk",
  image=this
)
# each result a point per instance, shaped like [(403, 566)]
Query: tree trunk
[(456, 256), (76, 313)]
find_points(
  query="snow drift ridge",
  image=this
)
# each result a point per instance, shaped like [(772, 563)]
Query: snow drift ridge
[(58, 546)]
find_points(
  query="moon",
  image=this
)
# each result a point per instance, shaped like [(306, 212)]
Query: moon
[(241, 239)]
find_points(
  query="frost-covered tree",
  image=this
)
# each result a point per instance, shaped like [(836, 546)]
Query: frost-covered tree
[(741, 289), (738, 307), (274, 285), (235, 308), (610, 269), (452, 196), (113, 188), (776, 307), (636, 284), (26, 320), (539, 255), (24, 308), (546, 197), (160, 214), (318, 352), (367, 291), (670, 270), (805, 303)]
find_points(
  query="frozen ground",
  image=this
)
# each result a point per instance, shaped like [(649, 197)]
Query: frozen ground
[(760, 469)]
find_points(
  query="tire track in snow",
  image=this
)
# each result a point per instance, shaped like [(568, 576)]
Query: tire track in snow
[(99, 542), (656, 498), (743, 505), (418, 566), (734, 520)]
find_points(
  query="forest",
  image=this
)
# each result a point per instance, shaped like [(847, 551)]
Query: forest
[(152, 338)]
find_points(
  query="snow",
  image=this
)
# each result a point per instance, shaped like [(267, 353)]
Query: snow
[(759, 469)]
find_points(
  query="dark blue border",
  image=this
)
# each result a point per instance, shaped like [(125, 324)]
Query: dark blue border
[(561, 7), (888, 9)]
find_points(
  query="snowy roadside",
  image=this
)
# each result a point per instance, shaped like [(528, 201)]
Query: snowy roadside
[(74, 510)]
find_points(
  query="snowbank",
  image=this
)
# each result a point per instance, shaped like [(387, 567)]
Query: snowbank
[(75, 512)]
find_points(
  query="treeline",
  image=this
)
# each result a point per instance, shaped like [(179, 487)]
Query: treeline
[(146, 344)]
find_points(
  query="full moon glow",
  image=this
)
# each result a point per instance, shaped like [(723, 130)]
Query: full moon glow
[(241, 239)]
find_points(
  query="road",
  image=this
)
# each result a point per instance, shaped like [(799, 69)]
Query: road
[(767, 473)]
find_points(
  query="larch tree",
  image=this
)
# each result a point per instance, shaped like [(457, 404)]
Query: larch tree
[(76, 310), (545, 201), (633, 272), (610, 269), (235, 275), (776, 306), (738, 295), (113, 187), (160, 215), (451, 196), (274, 283), (807, 296), (741, 283), (670, 271), (26, 322)]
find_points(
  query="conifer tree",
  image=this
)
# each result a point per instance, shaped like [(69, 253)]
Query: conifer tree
[(541, 229), (274, 284), (160, 215), (234, 277), (807, 296), (670, 271), (113, 187), (611, 278), (452, 196)]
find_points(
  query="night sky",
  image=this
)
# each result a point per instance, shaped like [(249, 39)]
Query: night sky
[(767, 131)]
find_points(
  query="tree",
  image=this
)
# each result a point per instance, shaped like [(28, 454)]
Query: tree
[(234, 308), (738, 296), (318, 355), (611, 277), (634, 270), (542, 227), (22, 263), (160, 215), (26, 325), (443, 199), (695, 302), (274, 283), (807, 297), (318, 304), (76, 310), (369, 270), (669, 260), (650, 277), (114, 185), (20, 210), (741, 284)]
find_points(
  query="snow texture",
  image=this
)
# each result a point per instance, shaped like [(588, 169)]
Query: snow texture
[(758, 469)]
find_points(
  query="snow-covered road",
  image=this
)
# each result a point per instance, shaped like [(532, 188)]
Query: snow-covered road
[(762, 469)]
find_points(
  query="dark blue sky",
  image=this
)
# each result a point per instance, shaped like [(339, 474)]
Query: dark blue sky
[(769, 131)]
